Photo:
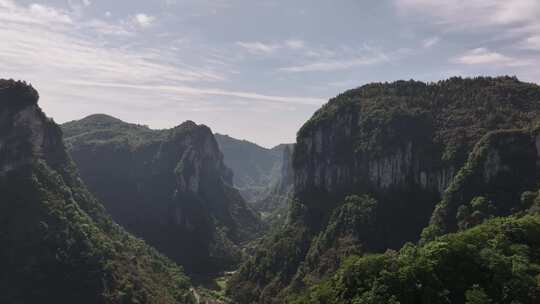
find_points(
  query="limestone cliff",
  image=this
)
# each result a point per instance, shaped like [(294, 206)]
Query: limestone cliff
[(170, 187)]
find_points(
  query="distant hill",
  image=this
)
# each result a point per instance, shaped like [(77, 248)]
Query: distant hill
[(256, 169), (170, 187), (58, 244)]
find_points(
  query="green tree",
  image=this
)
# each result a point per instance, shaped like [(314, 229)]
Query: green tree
[(476, 295)]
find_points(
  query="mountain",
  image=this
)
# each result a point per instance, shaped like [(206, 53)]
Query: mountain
[(58, 243), (169, 187), (256, 169), (372, 168)]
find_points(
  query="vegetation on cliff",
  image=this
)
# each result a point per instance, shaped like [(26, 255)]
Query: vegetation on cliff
[(58, 243), (496, 262), (499, 169)]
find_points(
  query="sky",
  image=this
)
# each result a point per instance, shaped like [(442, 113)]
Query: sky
[(255, 70)]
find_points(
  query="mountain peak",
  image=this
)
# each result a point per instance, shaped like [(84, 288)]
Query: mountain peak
[(14, 92)]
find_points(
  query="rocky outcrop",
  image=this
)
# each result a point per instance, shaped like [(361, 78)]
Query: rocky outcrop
[(170, 187), (58, 243)]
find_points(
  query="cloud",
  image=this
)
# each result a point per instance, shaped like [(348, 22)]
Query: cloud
[(192, 91), (343, 57), (467, 13), (512, 25), (531, 43), (295, 44), (483, 56), (107, 28), (517, 19), (33, 14), (143, 20), (77, 70), (258, 47), (428, 43), (327, 66)]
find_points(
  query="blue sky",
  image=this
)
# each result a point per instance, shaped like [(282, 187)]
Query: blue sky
[(255, 70)]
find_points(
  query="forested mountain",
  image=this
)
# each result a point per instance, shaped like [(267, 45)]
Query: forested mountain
[(256, 169), (169, 187), (58, 243), (376, 165)]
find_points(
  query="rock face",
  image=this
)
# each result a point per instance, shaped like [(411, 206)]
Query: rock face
[(402, 143), (256, 169), (58, 244), (169, 187)]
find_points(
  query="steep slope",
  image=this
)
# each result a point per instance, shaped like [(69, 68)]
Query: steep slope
[(502, 166), (496, 262), (401, 143), (256, 169), (58, 244), (169, 187)]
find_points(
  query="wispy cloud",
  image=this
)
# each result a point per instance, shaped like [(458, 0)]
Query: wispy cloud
[(192, 91), (430, 42), (335, 65), (343, 57), (519, 19), (143, 20), (295, 44), (531, 43), (464, 13), (33, 14), (46, 46), (258, 47), (484, 56)]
